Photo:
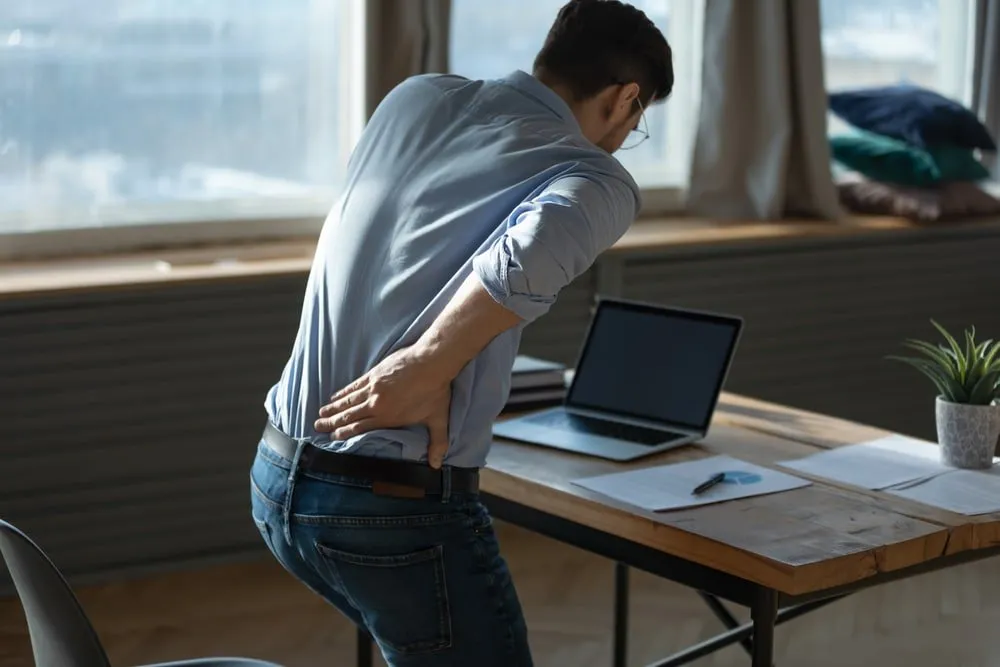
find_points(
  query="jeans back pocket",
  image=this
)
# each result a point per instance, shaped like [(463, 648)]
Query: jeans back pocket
[(403, 598)]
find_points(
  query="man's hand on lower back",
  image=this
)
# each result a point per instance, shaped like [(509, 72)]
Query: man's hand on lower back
[(404, 389), (413, 385)]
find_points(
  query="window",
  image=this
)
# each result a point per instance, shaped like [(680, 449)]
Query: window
[(881, 42), (125, 112), (517, 29)]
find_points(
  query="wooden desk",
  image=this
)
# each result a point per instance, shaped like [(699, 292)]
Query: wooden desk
[(781, 555)]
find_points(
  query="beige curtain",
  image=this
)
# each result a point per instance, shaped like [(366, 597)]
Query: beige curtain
[(405, 37), (761, 149), (986, 72)]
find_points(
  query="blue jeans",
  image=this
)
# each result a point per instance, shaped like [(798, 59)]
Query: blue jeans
[(423, 576)]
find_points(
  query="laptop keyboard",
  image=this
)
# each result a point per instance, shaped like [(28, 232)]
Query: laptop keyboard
[(608, 429)]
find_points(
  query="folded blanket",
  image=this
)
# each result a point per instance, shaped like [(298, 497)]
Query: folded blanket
[(942, 202)]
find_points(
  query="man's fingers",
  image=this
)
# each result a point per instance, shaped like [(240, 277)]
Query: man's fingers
[(357, 385), (437, 429), (337, 420), (324, 425), (356, 428), (353, 399)]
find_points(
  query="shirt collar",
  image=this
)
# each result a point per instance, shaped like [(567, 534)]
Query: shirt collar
[(532, 87)]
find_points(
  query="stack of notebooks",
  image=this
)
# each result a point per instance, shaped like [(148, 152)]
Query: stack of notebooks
[(536, 383)]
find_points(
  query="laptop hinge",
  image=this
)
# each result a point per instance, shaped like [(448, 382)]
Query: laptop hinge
[(635, 421)]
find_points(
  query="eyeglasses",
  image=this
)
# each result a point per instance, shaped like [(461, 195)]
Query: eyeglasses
[(639, 134)]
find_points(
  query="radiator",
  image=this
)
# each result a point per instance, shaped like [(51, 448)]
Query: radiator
[(130, 419)]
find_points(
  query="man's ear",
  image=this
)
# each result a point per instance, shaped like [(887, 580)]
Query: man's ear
[(631, 93), (625, 100)]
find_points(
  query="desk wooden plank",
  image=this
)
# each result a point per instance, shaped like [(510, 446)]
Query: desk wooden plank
[(818, 430), (796, 542), (965, 532)]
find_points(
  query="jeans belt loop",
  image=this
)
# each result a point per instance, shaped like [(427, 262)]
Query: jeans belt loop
[(293, 475), (445, 483)]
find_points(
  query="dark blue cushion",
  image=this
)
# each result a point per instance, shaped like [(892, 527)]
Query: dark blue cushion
[(918, 116)]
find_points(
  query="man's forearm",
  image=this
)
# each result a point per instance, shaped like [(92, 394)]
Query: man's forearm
[(464, 328), (555, 238)]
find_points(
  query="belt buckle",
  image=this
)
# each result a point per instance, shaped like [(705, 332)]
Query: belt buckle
[(397, 490)]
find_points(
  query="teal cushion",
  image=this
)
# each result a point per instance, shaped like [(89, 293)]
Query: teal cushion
[(891, 161), (883, 159), (958, 164)]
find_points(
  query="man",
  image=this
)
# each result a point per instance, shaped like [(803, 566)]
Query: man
[(468, 206)]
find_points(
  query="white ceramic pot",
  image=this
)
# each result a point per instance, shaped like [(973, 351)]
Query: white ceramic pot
[(968, 434)]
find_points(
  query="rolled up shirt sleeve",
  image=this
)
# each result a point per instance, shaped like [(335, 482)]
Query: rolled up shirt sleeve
[(554, 238)]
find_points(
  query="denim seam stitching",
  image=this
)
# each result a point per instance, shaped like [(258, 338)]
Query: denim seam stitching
[(265, 532), (495, 589), (414, 558), (273, 457), (263, 496), (444, 602), (413, 521)]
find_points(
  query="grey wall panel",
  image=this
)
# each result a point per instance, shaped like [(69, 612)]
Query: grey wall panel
[(820, 321), (129, 419)]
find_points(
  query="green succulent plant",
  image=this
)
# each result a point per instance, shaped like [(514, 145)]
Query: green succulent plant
[(967, 374)]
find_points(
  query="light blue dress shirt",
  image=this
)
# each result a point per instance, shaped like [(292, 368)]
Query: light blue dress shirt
[(450, 176)]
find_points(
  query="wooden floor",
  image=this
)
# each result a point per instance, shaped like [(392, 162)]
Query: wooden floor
[(949, 619)]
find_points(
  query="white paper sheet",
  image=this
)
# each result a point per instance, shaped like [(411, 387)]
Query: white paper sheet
[(877, 464), (669, 487), (963, 491)]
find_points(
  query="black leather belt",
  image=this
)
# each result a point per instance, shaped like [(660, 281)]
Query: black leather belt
[(392, 477)]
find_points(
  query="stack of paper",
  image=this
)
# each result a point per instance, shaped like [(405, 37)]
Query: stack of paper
[(670, 487), (529, 372), (910, 469), (878, 464), (536, 383), (961, 491)]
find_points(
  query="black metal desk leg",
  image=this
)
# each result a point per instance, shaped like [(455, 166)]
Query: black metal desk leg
[(621, 615), (726, 617), (764, 614), (364, 649)]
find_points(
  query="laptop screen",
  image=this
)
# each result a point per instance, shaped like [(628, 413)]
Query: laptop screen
[(661, 364)]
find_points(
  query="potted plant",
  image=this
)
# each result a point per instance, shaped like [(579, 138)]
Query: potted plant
[(967, 379)]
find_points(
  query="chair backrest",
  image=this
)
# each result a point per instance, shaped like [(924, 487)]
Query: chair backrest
[(61, 633)]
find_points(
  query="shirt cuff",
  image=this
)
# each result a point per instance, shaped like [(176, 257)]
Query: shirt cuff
[(492, 269)]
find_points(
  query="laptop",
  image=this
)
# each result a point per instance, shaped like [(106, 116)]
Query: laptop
[(647, 380)]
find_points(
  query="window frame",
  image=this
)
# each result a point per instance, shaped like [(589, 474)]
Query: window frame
[(684, 36), (955, 44), (189, 229), (185, 226)]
